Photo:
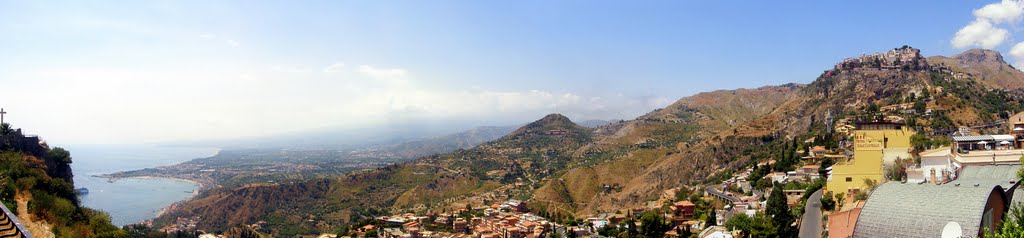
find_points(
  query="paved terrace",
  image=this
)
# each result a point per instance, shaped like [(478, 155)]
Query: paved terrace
[(990, 157)]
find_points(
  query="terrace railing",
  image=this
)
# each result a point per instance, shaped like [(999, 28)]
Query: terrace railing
[(10, 227)]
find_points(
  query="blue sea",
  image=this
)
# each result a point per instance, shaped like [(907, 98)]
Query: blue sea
[(131, 201)]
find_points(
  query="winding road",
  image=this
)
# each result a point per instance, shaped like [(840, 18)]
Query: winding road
[(810, 223)]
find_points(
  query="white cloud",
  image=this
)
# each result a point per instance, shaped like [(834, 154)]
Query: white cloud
[(1004, 11), (233, 43), (980, 33), (238, 100), (230, 42), (291, 69), (1017, 52), (334, 68), (382, 73)]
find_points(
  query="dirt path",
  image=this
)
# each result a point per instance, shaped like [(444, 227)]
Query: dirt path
[(38, 229)]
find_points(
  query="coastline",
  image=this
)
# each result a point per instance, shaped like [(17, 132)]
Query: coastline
[(100, 167), (195, 192), (199, 186)]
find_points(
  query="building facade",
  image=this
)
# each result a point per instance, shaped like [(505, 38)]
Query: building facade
[(875, 144)]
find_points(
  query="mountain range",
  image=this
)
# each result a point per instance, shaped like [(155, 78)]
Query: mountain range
[(562, 168)]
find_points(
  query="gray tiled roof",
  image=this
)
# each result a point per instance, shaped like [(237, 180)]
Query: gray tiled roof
[(988, 175), (922, 210), (972, 138)]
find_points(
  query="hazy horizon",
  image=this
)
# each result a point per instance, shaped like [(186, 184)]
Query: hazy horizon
[(172, 71)]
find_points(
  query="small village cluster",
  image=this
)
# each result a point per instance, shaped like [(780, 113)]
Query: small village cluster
[(893, 59), (508, 219)]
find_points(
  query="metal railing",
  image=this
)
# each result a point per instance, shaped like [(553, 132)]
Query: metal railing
[(10, 227)]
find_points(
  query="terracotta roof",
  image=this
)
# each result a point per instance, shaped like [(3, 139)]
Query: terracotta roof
[(684, 203)]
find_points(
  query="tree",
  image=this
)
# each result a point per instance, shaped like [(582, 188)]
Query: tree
[(652, 224), (60, 155), (5, 129), (242, 232), (920, 142), (764, 226), (1020, 173), (712, 219), (823, 169), (632, 230), (371, 233), (896, 171), (872, 108), (683, 231), (740, 222), (920, 107), (828, 201), (778, 210), (1013, 226), (840, 199), (871, 184)]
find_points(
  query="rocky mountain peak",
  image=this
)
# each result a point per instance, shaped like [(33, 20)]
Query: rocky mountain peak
[(554, 118), (980, 56), (548, 123)]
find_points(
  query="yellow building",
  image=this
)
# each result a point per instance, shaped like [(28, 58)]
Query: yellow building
[(875, 144)]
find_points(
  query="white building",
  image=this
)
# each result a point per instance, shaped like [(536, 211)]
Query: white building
[(937, 167)]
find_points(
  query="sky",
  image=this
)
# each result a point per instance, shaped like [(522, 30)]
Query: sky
[(114, 72)]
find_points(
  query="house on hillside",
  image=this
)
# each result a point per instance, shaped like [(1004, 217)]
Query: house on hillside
[(793, 197), (818, 151), (1016, 128), (515, 206), (682, 211), (777, 177), (937, 167)]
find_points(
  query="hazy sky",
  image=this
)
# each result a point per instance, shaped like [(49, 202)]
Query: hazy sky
[(150, 71)]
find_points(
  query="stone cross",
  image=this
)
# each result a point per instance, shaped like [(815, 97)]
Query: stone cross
[(2, 112)]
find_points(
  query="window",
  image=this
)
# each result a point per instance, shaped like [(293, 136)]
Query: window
[(987, 219), (849, 179)]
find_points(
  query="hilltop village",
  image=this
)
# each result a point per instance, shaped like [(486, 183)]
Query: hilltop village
[(877, 173)]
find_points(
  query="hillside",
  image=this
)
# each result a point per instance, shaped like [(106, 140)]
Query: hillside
[(664, 136), (842, 92), (526, 155), (985, 66), (563, 168), (36, 183)]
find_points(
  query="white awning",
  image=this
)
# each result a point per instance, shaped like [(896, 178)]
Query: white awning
[(1002, 137), (1004, 143), (982, 142)]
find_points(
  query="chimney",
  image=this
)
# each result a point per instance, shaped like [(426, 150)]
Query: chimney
[(933, 179)]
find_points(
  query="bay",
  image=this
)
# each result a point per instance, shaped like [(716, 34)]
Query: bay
[(132, 200)]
